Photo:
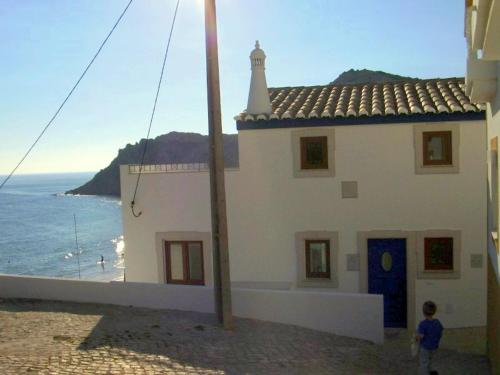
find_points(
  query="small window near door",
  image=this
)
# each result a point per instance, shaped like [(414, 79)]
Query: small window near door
[(314, 153), (184, 262), (317, 259), (437, 149), (438, 253)]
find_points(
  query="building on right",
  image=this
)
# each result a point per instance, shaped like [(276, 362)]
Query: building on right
[(482, 31)]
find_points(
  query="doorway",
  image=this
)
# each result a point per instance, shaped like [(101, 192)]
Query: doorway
[(387, 276)]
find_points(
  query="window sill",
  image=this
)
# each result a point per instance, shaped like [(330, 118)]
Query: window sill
[(314, 173), (318, 283), (196, 283), (439, 274), (436, 169)]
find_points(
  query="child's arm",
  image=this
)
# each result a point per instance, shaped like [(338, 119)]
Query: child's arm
[(420, 332), (440, 330)]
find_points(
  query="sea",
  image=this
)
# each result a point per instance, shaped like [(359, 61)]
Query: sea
[(38, 235)]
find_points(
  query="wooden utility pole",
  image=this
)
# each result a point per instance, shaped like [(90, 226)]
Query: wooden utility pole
[(222, 281)]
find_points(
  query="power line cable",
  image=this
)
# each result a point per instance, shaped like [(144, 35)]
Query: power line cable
[(132, 203), (67, 96)]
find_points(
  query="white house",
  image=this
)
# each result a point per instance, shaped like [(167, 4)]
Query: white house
[(369, 188), (482, 30)]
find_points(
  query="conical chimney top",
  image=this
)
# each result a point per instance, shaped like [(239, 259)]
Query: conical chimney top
[(257, 53), (258, 97)]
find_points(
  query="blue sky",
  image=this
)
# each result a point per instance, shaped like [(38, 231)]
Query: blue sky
[(45, 44)]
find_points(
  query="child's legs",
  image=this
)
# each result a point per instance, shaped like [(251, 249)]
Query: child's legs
[(425, 361), (431, 358)]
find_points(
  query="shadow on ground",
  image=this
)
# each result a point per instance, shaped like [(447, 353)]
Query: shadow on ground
[(133, 340)]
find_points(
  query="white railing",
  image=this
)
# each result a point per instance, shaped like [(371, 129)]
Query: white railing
[(172, 168), (167, 168)]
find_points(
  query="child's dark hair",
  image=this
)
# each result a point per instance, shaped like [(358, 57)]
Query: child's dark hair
[(429, 308)]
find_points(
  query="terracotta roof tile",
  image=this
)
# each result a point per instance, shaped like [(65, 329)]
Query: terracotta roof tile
[(372, 99)]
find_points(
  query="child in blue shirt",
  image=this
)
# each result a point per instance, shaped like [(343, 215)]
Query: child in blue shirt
[(430, 331)]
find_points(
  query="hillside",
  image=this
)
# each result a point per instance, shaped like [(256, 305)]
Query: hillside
[(352, 77), (173, 147)]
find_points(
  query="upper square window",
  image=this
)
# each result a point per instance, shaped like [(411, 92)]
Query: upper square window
[(184, 262), (318, 259), (438, 253), (437, 148), (313, 153)]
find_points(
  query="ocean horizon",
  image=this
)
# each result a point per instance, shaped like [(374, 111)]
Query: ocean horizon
[(37, 230)]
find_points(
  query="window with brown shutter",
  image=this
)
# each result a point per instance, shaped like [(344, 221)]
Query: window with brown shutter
[(318, 259), (437, 149), (438, 253), (184, 262), (314, 153)]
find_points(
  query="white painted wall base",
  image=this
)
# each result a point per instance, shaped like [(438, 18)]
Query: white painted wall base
[(347, 314), (354, 315), (156, 296)]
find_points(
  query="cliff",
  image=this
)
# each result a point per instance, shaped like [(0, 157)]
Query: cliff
[(173, 148)]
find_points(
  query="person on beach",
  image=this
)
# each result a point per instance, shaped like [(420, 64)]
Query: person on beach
[(102, 259), (429, 334)]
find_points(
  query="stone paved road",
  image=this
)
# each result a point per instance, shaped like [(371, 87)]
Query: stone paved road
[(45, 337)]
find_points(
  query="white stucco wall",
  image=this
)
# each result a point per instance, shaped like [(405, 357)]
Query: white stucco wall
[(169, 202), (482, 31), (353, 315), (267, 206), (493, 126)]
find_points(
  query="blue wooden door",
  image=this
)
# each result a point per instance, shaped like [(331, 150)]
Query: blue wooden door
[(387, 276)]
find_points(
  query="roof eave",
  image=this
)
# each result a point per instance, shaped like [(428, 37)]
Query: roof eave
[(362, 120)]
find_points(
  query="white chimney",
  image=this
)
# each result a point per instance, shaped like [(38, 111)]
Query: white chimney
[(258, 97)]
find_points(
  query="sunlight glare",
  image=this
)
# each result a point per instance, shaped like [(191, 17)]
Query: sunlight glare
[(200, 4)]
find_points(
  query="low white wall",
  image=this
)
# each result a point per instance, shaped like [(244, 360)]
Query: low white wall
[(353, 315), (348, 314), (158, 296)]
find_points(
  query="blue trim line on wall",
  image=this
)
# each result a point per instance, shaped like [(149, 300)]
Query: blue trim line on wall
[(363, 120)]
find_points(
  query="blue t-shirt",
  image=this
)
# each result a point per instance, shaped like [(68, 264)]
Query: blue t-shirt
[(431, 330)]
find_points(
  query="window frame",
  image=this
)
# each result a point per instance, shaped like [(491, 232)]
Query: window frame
[(436, 274), (317, 275), (427, 244), (302, 281), (304, 164), (418, 148), (297, 170), (447, 137), (185, 263)]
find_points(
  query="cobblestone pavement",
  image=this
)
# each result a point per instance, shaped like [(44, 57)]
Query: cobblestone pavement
[(45, 337)]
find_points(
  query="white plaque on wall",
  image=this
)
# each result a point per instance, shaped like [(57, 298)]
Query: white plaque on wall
[(476, 261), (352, 262)]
